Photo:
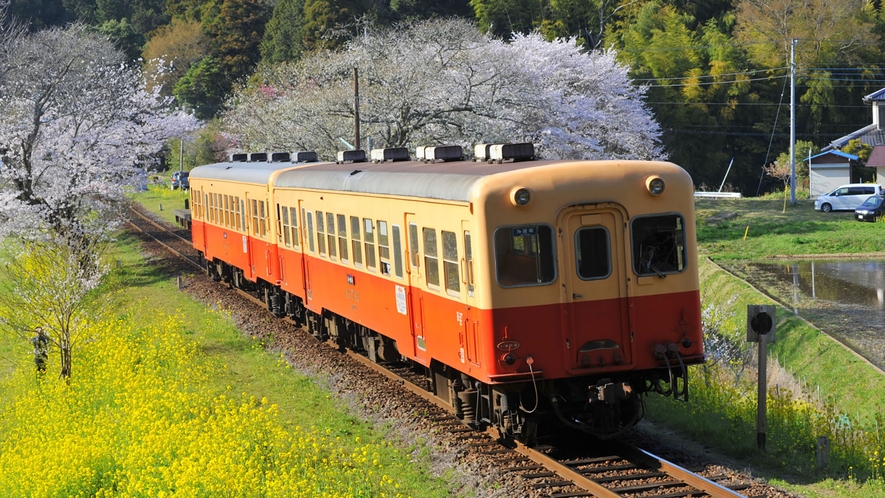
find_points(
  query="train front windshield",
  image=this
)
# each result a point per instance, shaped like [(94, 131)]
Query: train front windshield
[(658, 244), (525, 255)]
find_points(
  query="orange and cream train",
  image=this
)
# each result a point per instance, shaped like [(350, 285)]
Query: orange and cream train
[(528, 292)]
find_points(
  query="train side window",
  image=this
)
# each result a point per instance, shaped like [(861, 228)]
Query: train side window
[(229, 210), (226, 210), (658, 244), (283, 220), (356, 241), (413, 244), (369, 236), (309, 224), (431, 259), (384, 247), (593, 253), (235, 206), (243, 214), (254, 217), (468, 260), (524, 255), (263, 220), (451, 269), (321, 233), (294, 219), (330, 232), (342, 238), (397, 251)]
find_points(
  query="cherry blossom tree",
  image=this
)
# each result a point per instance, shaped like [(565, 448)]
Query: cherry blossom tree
[(442, 81), (77, 126)]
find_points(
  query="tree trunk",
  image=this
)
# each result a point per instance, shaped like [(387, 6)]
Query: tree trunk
[(66, 363)]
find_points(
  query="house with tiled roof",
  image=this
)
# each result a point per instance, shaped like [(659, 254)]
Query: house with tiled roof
[(873, 135)]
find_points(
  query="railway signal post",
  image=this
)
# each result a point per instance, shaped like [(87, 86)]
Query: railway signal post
[(761, 320)]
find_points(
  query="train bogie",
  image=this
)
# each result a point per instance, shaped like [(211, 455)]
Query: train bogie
[(525, 290)]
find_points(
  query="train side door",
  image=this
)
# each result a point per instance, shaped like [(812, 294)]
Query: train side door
[(249, 235), (299, 265), (204, 217), (470, 326), (307, 244), (414, 291), (594, 270)]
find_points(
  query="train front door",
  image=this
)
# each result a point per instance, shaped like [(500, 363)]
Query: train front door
[(593, 266)]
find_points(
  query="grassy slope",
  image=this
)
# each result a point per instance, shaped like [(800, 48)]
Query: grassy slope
[(756, 229)]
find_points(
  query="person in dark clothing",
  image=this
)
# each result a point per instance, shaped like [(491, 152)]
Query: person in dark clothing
[(41, 349)]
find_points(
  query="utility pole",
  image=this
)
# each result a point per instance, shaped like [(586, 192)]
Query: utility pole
[(793, 122), (356, 109)]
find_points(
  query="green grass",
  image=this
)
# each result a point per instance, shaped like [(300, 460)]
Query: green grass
[(161, 199), (753, 229)]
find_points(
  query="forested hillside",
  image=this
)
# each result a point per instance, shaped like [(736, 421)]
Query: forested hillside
[(717, 71)]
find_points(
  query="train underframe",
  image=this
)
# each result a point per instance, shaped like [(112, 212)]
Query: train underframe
[(528, 410)]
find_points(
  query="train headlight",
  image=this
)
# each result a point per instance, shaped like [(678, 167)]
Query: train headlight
[(520, 196), (655, 185)]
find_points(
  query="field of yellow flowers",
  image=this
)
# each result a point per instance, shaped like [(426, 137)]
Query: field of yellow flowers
[(140, 421), (149, 413)]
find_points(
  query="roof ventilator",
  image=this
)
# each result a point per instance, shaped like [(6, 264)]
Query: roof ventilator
[(255, 157), (499, 153), (441, 153), (481, 152), (351, 156), (303, 156), (280, 157), (239, 157), (389, 155)]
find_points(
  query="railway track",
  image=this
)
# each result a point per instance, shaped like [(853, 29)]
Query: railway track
[(603, 469)]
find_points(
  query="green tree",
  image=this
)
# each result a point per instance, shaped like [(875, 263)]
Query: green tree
[(235, 29), (122, 34), (325, 20), (82, 10), (201, 88), (503, 17), (171, 51), (282, 37), (41, 13)]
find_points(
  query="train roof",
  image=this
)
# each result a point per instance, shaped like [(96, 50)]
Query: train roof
[(440, 180), (256, 172)]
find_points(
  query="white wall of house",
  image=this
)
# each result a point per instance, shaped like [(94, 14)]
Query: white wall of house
[(825, 177)]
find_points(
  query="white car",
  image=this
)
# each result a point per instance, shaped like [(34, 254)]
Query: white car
[(847, 197)]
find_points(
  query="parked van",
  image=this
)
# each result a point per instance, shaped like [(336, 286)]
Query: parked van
[(847, 197)]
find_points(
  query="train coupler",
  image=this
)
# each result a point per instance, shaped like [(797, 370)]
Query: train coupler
[(610, 392)]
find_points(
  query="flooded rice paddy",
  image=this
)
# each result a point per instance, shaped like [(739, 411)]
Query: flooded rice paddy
[(845, 299)]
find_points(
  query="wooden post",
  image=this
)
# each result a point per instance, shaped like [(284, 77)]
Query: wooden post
[(823, 452)]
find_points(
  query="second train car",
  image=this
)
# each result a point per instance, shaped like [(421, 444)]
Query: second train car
[(529, 293)]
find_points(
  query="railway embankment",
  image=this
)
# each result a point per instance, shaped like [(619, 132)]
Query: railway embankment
[(819, 387)]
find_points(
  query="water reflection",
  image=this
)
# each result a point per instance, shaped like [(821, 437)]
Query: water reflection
[(845, 299)]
